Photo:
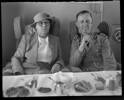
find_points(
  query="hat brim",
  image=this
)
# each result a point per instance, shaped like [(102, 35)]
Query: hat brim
[(50, 19)]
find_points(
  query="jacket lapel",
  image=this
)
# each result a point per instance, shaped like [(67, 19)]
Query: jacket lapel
[(32, 54), (52, 47)]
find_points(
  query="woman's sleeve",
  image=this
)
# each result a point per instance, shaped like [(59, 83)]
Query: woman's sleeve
[(18, 56)]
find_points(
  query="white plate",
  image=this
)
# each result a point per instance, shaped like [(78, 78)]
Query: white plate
[(16, 81), (44, 81)]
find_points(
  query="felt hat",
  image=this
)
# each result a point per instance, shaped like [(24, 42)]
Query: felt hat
[(40, 17)]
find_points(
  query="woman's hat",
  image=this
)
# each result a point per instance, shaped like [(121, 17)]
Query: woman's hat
[(40, 17)]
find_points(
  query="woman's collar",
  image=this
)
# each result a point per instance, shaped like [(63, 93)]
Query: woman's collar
[(40, 39)]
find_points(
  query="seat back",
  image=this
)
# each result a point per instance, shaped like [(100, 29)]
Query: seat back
[(18, 29), (55, 27)]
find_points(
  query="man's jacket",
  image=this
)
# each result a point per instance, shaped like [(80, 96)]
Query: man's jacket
[(98, 57)]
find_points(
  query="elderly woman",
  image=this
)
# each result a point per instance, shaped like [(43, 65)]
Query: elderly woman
[(38, 51), (90, 52)]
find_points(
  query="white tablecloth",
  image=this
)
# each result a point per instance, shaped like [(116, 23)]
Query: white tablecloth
[(44, 81)]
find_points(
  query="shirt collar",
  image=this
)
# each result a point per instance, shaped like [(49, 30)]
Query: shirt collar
[(40, 39)]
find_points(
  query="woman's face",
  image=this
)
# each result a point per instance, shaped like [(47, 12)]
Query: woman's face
[(42, 28), (84, 23)]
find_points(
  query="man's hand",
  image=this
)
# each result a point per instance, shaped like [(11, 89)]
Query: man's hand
[(55, 68), (85, 43)]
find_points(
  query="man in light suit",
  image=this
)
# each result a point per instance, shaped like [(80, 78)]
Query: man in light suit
[(38, 51)]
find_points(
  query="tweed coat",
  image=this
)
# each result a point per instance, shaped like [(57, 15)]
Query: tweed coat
[(28, 49)]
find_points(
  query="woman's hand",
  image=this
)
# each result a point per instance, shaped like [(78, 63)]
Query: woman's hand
[(44, 71), (75, 69), (29, 30), (55, 68), (18, 73)]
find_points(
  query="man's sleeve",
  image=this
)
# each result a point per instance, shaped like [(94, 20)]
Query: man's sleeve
[(108, 56), (75, 55)]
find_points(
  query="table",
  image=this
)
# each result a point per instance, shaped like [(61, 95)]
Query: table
[(67, 77)]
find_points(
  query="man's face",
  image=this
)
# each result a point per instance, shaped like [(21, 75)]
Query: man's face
[(84, 23), (42, 28)]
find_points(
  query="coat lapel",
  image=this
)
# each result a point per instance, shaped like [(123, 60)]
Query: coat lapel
[(52, 47), (32, 53)]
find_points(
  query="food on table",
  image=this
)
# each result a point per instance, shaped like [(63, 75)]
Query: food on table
[(61, 84), (99, 78), (44, 89), (115, 82), (12, 91), (112, 85), (20, 91), (23, 91), (101, 82), (100, 86), (118, 79), (31, 83), (82, 86)]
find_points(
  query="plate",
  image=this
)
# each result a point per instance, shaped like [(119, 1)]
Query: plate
[(73, 91), (19, 91)]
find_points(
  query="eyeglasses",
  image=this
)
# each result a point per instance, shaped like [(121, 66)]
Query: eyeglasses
[(43, 22), (86, 21)]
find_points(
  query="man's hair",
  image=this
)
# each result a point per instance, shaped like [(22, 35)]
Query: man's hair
[(79, 13), (83, 12)]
